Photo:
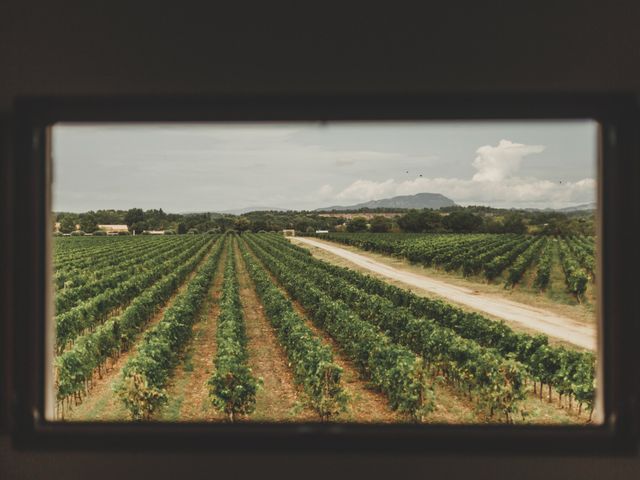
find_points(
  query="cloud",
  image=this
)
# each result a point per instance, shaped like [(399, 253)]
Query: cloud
[(494, 183), (326, 191), (344, 162), (508, 192), (499, 162)]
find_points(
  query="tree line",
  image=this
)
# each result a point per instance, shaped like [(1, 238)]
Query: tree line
[(472, 219)]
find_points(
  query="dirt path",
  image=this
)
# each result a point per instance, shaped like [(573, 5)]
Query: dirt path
[(277, 400), (101, 404), (188, 392), (534, 318)]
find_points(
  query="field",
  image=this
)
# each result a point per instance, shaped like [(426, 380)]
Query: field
[(514, 261), (227, 327)]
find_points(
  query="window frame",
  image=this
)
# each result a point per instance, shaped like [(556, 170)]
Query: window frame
[(618, 215)]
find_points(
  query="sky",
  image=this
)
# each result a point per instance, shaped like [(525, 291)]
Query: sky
[(216, 167)]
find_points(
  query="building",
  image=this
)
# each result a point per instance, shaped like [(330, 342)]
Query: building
[(289, 233), (113, 229), (322, 231)]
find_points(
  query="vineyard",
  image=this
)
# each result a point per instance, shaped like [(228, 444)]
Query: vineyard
[(228, 327), (495, 258)]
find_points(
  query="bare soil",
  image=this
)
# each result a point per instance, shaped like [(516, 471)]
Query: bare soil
[(188, 391), (278, 400)]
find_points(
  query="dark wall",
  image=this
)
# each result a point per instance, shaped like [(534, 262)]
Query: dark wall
[(102, 48)]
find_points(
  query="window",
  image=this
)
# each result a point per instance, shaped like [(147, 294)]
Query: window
[(147, 319)]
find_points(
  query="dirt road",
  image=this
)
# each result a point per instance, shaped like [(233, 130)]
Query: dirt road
[(531, 317)]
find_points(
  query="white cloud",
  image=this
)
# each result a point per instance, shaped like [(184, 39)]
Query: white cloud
[(494, 183), (509, 192), (326, 191), (499, 162)]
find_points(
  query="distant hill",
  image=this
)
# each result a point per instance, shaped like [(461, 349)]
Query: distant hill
[(419, 200), (584, 207), (578, 208), (241, 211)]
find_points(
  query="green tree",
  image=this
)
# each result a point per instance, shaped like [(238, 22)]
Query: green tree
[(182, 229), (514, 223), (380, 224), (357, 224), (241, 224), (67, 223), (418, 221), (134, 218), (463, 222), (410, 222), (88, 222)]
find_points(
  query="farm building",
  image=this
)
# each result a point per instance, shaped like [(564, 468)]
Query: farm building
[(289, 233), (322, 231), (154, 232), (113, 229)]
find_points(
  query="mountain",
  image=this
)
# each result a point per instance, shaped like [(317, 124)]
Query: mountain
[(584, 207), (578, 208), (419, 200), (241, 211)]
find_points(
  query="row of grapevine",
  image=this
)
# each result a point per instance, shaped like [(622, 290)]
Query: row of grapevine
[(98, 280), (312, 361), (522, 262), (69, 252), (392, 368), (70, 274), (570, 372), (90, 313), (501, 261), (76, 367), (462, 257), (477, 260), (584, 254), (72, 249), (446, 248), (495, 383), (142, 384), (543, 269), (575, 276), (232, 386)]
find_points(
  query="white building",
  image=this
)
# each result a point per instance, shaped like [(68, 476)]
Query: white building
[(113, 229)]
